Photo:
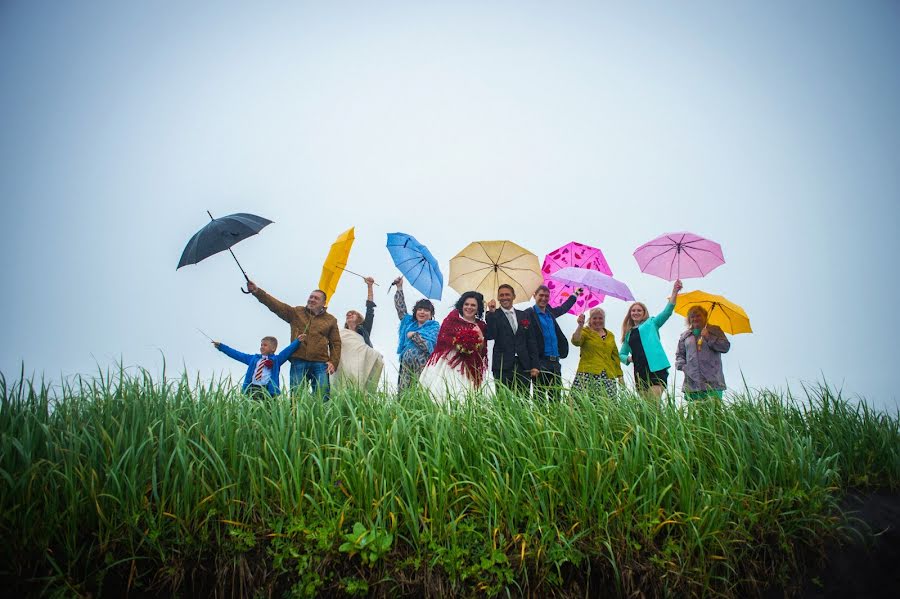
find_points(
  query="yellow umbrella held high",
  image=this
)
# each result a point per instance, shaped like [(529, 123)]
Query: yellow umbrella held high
[(336, 262), (485, 265), (721, 312)]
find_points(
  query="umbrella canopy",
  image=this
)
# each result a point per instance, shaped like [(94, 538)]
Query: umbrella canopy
[(416, 264), (593, 281), (722, 312), (581, 256), (679, 256), (219, 234), (336, 262), (485, 265)]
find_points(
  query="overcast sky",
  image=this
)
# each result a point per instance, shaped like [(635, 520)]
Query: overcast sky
[(770, 127)]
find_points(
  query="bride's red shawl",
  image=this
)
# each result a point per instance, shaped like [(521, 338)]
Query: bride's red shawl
[(453, 339)]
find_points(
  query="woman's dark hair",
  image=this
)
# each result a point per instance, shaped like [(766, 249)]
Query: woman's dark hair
[(478, 298), (423, 303)]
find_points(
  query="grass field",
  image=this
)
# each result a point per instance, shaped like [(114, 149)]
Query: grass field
[(122, 482)]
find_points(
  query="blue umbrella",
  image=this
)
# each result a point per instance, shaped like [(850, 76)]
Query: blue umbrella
[(219, 235), (416, 264)]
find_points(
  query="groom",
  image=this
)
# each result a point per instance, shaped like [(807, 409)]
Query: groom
[(515, 357)]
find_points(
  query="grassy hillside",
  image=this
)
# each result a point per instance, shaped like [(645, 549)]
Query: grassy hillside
[(176, 487)]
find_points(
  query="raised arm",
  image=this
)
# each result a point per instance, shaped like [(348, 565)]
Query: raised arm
[(399, 300), (279, 308), (490, 329), (369, 282), (566, 305), (661, 318), (576, 336), (369, 319), (233, 353), (291, 348)]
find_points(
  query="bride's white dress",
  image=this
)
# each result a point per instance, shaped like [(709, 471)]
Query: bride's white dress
[(446, 384)]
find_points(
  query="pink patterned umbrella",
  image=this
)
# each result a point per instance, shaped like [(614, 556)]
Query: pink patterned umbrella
[(680, 255), (581, 256)]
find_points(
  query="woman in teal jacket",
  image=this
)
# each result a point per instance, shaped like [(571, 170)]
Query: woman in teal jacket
[(640, 339)]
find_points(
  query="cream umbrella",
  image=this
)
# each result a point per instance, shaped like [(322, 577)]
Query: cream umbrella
[(485, 265)]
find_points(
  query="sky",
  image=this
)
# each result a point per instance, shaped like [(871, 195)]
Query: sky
[(769, 127)]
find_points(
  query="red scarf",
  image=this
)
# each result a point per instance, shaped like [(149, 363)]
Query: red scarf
[(472, 365)]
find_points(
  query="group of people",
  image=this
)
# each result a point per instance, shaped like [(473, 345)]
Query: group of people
[(450, 360)]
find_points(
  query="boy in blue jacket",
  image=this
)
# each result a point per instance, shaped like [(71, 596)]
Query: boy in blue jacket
[(262, 368)]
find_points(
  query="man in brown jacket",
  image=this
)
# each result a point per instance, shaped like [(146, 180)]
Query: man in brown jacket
[(318, 356)]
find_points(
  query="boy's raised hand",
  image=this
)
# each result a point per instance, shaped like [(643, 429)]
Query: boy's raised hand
[(301, 337), (216, 343)]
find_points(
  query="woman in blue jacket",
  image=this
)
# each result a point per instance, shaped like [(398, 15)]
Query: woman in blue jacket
[(640, 339)]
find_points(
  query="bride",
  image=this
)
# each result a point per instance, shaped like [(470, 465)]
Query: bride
[(458, 364)]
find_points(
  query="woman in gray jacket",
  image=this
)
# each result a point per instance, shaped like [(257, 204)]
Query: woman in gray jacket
[(699, 355)]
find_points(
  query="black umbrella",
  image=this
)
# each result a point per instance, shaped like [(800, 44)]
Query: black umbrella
[(219, 235)]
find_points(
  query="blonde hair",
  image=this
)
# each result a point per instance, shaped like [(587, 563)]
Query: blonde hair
[(693, 309), (271, 340), (628, 323)]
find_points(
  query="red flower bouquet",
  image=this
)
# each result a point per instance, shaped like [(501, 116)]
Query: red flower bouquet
[(468, 341)]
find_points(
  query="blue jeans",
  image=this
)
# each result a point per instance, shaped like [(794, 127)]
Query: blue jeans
[(314, 372)]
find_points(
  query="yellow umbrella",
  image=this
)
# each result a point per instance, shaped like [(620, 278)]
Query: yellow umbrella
[(336, 262), (485, 265), (723, 313)]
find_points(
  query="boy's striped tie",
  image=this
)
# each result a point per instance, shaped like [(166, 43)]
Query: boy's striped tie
[(259, 369)]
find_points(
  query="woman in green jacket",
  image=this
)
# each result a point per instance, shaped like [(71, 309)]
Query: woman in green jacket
[(641, 345), (598, 367)]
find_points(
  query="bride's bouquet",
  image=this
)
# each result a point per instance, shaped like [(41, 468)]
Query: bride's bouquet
[(468, 341)]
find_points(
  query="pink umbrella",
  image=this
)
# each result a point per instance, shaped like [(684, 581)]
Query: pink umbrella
[(581, 256), (593, 282), (679, 256)]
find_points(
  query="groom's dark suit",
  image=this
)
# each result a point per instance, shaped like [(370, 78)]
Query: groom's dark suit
[(515, 353)]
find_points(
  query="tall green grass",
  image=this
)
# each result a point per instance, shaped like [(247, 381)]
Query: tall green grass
[(125, 482)]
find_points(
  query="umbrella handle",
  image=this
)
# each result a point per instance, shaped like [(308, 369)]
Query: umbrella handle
[(359, 275), (244, 291)]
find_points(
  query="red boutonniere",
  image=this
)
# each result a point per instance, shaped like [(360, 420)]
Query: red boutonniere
[(268, 363), (525, 322)]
